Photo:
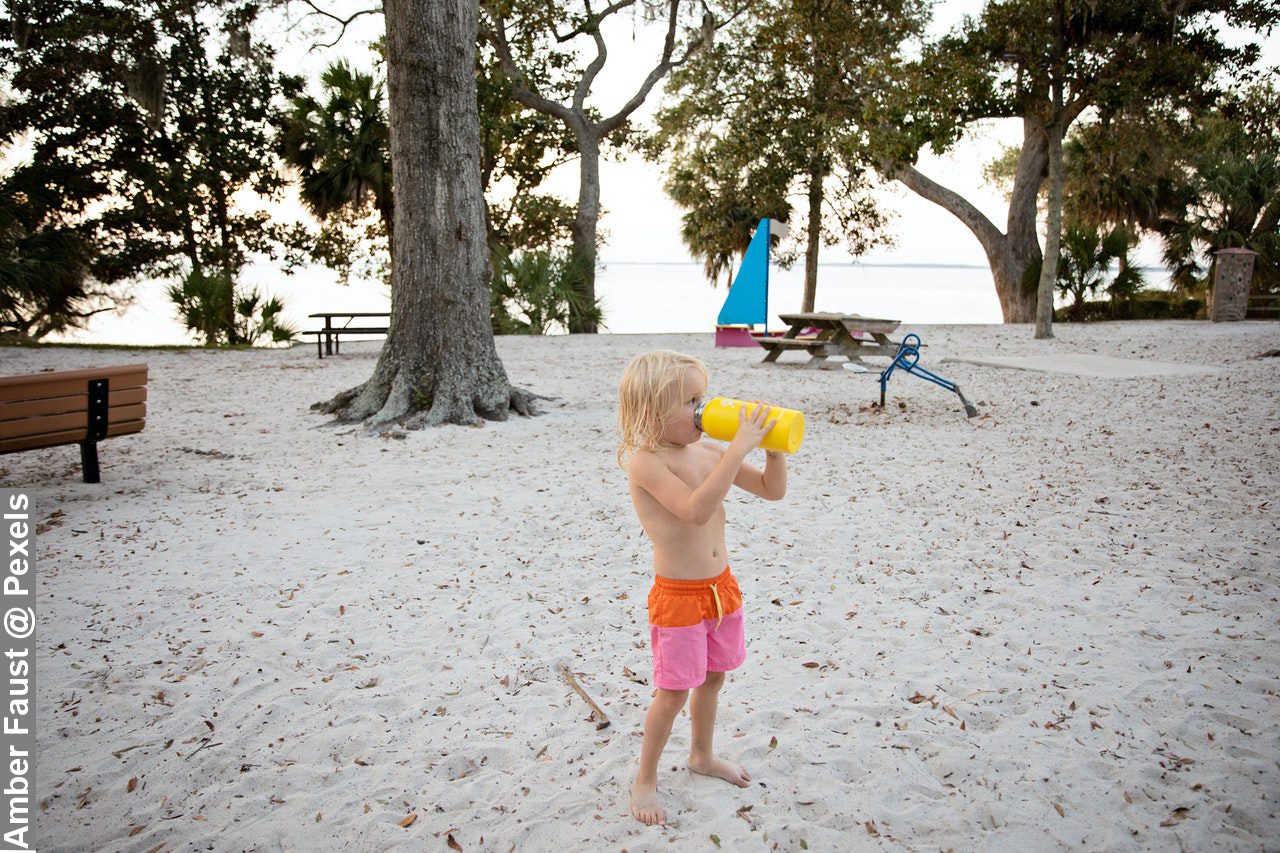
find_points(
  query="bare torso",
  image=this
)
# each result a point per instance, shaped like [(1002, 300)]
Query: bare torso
[(682, 550)]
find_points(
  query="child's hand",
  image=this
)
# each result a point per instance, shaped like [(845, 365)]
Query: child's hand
[(752, 428)]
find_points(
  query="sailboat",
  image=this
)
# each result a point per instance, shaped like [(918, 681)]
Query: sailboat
[(748, 300)]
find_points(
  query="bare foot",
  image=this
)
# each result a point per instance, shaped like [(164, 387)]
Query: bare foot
[(644, 804), (734, 774)]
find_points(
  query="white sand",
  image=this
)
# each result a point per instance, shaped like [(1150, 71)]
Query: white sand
[(1081, 585)]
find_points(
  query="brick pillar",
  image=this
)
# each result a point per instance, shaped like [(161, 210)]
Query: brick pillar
[(1231, 281)]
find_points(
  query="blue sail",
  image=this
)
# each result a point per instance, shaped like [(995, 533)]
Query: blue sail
[(747, 302)]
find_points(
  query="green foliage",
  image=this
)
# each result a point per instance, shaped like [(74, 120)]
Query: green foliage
[(1230, 197), (46, 283), (773, 109), (157, 119), (339, 146), (519, 148), (725, 200), (1087, 255), (213, 307), (1145, 305), (536, 290), (1112, 56)]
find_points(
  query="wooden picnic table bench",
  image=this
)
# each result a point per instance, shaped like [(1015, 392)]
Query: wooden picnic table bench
[(72, 407), (838, 334), (330, 333)]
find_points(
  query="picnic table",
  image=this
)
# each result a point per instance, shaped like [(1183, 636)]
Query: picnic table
[(330, 332), (838, 334)]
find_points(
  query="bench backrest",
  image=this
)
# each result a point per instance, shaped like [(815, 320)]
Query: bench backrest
[(49, 409)]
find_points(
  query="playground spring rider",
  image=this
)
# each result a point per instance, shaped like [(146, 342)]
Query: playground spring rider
[(907, 358)]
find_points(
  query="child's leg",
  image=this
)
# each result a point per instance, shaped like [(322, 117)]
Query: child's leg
[(657, 728), (702, 714)]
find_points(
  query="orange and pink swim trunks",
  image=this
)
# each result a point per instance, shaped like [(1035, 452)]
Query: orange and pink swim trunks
[(695, 626)]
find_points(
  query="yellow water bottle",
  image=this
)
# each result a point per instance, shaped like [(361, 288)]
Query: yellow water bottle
[(718, 418)]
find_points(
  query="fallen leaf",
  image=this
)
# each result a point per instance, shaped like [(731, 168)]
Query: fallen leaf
[(409, 819), (135, 830), (453, 845), (1060, 811), (715, 839), (773, 743), (133, 783), (811, 664), (871, 828)]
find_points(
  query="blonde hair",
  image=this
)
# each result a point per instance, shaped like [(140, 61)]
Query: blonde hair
[(647, 394)]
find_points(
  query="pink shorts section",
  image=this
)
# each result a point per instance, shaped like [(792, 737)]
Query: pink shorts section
[(683, 656)]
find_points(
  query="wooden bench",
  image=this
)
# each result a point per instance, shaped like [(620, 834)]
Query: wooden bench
[(72, 407)]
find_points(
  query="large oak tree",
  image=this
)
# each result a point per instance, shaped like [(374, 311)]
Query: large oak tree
[(439, 363)]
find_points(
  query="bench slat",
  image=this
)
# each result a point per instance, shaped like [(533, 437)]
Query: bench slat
[(32, 442), (786, 343), (68, 422), (34, 386), (70, 403), (354, 330)]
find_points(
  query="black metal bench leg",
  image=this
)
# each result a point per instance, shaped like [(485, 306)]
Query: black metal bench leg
[(319, 348), (89, 461)]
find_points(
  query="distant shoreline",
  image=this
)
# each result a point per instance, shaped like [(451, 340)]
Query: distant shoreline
[(845, 264)]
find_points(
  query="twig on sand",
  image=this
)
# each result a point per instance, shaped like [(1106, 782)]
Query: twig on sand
[(602, 722), (204, 743)]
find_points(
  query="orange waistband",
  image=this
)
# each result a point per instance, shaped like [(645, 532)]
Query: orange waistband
[(694, 586)]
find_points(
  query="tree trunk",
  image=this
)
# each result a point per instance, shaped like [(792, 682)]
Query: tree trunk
[(1009, 254), (439, 364), (815, 235), (1049, 268), (584, 227)]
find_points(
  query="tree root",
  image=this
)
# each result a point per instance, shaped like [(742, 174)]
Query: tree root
[(383, 401)]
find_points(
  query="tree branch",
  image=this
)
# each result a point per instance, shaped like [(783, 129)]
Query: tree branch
[(664, 65), (593, 21), (602, 54), (988, 234), (521, 90), (344, 22)]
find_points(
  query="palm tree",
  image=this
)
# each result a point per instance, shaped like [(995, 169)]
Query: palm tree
[(342, 148), (1087, 254)]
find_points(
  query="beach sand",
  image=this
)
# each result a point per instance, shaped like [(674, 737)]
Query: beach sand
[(1050, 627)]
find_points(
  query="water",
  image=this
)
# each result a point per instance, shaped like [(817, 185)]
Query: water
[(638, 298)]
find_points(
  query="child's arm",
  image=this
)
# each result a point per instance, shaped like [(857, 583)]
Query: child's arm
[(696, 506), (771, 483)]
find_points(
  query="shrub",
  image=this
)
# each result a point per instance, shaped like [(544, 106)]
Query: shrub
[(211, 306), (535, 290)]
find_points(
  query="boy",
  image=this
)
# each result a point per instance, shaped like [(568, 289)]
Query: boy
[(678, 484)]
